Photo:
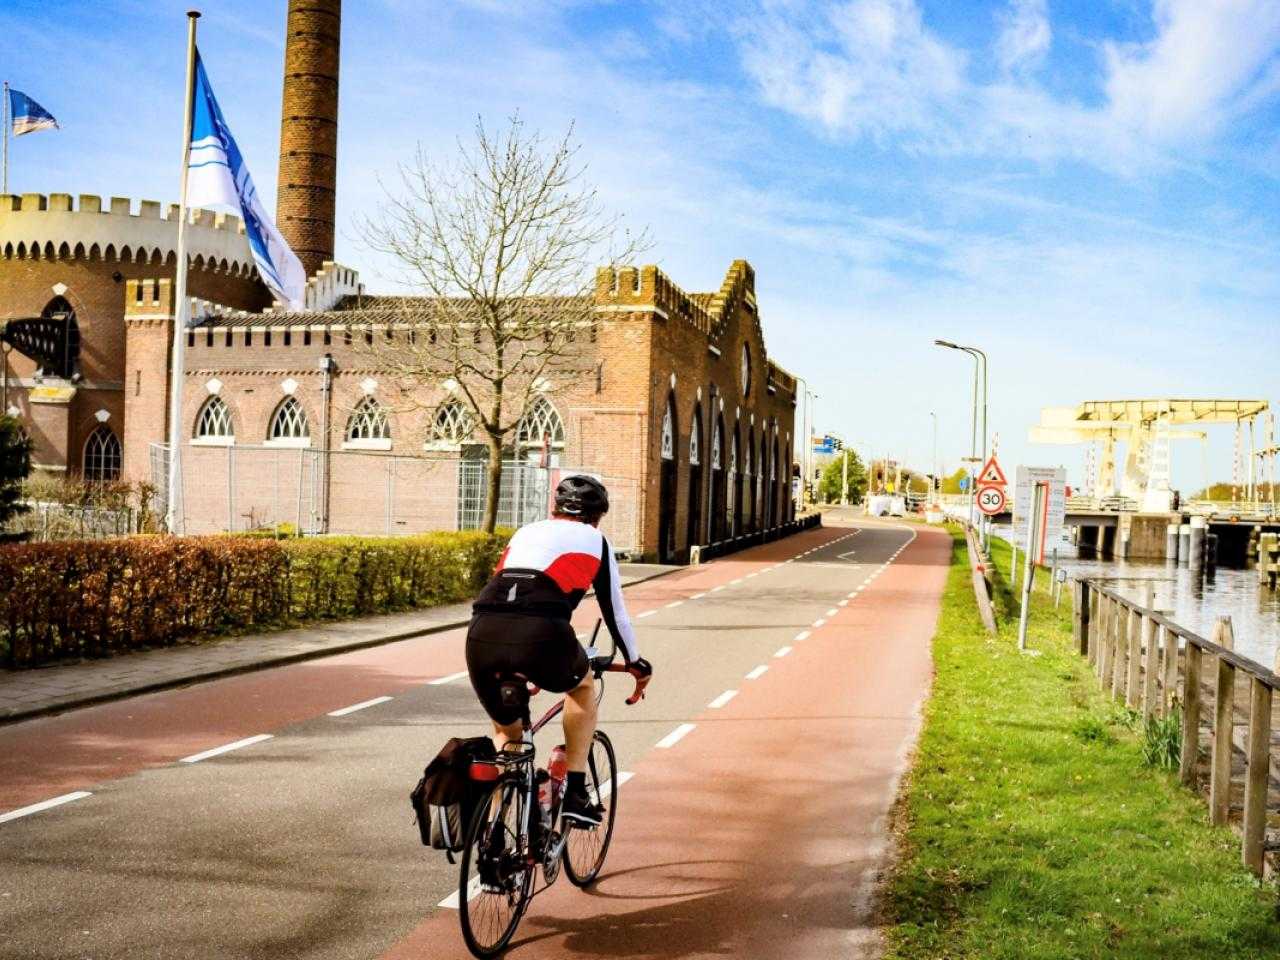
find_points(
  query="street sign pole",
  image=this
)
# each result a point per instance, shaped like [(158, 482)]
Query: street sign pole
[(844, 485), (1037, 524)]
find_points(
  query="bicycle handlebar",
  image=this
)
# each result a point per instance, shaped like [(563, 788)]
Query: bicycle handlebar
[(610, 667)]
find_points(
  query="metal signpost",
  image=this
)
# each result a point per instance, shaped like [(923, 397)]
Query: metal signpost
[(1036, 526)]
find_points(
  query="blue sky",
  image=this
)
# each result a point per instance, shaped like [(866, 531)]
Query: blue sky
[(1085, 189)]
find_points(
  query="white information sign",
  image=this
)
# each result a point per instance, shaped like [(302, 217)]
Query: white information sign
[(1027, 477)]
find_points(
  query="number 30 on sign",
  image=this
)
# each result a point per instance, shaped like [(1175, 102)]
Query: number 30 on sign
[(991, 500)]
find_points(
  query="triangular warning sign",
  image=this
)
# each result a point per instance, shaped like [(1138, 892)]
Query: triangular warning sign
[(992, 475)]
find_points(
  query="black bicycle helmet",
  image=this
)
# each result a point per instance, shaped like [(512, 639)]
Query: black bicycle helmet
[(583, 497)]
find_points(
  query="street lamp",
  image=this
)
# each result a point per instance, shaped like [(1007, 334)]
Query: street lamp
[(934, 486), (977, 355)]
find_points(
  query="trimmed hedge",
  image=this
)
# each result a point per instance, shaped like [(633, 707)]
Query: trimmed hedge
[(95, 598)]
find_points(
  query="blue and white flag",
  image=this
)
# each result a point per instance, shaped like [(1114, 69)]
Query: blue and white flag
[(28, 116), (217, 177)]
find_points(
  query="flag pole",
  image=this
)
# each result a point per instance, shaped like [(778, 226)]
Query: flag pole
[(5, 188), (175, 515)]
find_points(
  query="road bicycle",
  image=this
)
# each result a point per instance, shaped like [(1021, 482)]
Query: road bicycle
[(507, 844)]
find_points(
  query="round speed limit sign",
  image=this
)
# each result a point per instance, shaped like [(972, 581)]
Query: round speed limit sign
[(991, 500)]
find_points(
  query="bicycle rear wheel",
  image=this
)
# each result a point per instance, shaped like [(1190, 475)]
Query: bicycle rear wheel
[(496, 879), (586, 847)]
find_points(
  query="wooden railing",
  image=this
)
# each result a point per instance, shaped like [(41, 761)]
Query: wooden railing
[(1145, 659)]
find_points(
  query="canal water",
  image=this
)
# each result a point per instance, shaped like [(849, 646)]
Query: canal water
[(1189, 599)]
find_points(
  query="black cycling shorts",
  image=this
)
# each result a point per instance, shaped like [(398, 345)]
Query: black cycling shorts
[(544, 650)]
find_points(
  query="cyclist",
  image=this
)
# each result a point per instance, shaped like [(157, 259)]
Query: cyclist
[(520, 625)]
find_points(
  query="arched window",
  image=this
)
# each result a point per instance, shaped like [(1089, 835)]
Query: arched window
[(746, 369), (540, 422), (695, 438), (102, 455), (289, 424), (717, 437), (213, 422), (368, 425), (452, 425), (668, 434)]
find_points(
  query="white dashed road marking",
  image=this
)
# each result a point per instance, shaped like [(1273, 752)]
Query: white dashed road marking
[(721, 700), (225, 748), (647, 613), (820, 622), (697, 596), (623, 777), (674, 603), (782, 652), (832, 612), (675, 736), (803, 635), (44, 805), (449, 679), (358, 706), (757, 673)]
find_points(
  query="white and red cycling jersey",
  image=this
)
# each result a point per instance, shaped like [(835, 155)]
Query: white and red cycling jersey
[(547, 569)]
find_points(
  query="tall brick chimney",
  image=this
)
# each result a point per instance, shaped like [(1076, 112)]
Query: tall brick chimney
[(309, 130)]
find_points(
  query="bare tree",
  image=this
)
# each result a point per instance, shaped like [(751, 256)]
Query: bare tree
[(504, 243)]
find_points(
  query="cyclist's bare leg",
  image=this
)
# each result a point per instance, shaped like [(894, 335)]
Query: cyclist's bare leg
[(579, 721), (507, 733)]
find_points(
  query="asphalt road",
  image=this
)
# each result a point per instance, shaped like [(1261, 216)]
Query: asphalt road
[(756, 833)]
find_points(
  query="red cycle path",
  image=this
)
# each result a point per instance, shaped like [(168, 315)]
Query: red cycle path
[(761, 833), (51, 756)]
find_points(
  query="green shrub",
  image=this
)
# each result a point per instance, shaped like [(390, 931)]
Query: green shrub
[(94, 598)]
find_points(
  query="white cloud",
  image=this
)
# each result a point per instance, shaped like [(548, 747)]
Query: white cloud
[(1025, 35), (873, 68), (1206, 59), (862, 67)]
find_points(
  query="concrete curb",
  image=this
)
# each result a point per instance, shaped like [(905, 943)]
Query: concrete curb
[(277, 661)]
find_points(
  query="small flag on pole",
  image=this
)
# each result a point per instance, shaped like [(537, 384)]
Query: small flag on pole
[(217, 176), (28, 116)]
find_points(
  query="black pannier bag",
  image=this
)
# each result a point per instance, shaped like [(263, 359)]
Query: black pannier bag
[(446, 796)]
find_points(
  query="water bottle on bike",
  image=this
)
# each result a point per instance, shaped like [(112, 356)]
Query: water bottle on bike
[(557, 771)]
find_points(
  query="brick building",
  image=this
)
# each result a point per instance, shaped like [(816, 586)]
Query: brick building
[(290, 420), (68, 262)]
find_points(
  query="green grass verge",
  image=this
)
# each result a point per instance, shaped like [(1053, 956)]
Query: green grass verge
[(1031, 827)]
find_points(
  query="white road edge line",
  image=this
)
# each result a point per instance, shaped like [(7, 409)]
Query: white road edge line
[(717, 589), (820, 622), (647, 613), (453, 901), (757, 673), (449, 679), (44, 805), (843, 603), (673, 603), (803, 635), (721, 700), (782, 652), (358, 706), (832, 612), (623, 777), (675, 736), (225, 748), (697, 596)]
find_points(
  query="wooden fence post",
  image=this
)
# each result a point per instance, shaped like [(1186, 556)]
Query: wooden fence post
[(1080, 615), (1169, 644), (1151, 658), (1104, 640), (1133, 682), (1257, 777), (1119, 672), (1095, 628), (1191, 716), (1224, 699), (1110, 645)]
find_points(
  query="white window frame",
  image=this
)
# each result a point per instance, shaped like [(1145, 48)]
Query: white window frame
[(294, 443), (214, 439)]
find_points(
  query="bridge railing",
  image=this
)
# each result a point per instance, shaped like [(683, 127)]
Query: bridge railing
[(1159, 668), (1231, 508)]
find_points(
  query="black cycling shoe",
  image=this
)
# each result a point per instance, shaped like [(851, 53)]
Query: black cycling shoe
[(580, 811)]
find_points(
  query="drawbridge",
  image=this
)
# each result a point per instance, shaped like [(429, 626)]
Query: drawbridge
[(1148, 429)]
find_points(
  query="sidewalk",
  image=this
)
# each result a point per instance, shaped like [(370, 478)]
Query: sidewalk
[(42, 690)]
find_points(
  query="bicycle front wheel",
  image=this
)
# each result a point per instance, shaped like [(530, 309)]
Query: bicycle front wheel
[(496, 879), (586, 847)]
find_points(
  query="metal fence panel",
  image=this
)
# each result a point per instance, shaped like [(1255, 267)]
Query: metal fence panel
[(238, 488)]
